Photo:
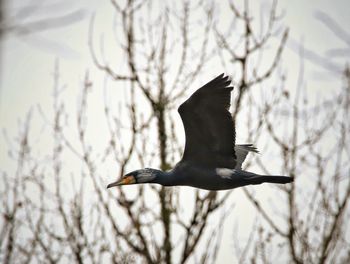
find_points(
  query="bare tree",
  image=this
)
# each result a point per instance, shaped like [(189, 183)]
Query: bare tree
[(83, 224), (53, 213), (312, 139)]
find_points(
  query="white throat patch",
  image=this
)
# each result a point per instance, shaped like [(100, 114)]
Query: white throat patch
[(224, 172), (145, 175)]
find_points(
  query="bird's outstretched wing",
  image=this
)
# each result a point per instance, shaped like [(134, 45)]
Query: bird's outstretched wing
[(209, 128)]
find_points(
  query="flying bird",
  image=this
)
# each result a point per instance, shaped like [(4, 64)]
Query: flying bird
[(211, 160)]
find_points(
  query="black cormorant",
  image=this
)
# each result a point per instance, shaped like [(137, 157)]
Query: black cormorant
[(211, 159)]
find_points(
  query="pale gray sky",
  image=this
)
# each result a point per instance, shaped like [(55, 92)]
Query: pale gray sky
[(28, 63), (28, 60)]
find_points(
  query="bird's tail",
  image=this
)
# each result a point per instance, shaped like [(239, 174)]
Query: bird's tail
[(258, 179), (247, 178)]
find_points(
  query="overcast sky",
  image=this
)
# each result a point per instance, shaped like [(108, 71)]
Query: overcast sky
[(28, 61)]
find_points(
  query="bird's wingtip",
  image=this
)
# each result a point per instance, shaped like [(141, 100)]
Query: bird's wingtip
[(222, 76)]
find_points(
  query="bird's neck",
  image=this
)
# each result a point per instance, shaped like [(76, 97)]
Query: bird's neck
[(166, 178)]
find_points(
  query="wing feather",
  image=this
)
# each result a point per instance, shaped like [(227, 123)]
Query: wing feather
[(209, 128)]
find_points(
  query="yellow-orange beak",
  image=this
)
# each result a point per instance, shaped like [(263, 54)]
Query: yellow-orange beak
[(124, 181)]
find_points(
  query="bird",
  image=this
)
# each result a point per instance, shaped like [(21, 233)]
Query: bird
[(210, 160)]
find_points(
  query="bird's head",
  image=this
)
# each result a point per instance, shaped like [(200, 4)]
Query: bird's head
[(146, 175)]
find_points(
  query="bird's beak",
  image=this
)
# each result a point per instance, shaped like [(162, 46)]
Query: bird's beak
[(124, 181)]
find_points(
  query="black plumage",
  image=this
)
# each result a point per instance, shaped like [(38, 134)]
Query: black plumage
[(211, 160), (209, 128)]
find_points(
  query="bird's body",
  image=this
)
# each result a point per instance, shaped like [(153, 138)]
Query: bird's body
[(209, 178), (215, 179), (211, 160)]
